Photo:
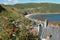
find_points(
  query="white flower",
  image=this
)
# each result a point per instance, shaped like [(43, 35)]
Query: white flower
[(14, 35)]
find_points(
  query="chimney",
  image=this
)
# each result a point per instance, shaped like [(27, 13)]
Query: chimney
[(45, 23)]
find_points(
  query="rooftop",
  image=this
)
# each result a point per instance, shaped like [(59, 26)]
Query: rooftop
[(54, 31)]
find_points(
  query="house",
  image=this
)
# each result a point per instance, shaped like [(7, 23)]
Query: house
[(41, 24)]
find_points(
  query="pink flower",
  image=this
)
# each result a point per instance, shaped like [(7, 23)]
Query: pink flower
[(33, 30)]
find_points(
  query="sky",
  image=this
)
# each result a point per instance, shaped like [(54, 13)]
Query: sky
[(28, 1)]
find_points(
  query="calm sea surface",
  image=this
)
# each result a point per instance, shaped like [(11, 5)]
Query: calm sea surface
[(50, 17)]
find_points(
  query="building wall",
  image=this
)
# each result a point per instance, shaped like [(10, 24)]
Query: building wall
[(41, 26)]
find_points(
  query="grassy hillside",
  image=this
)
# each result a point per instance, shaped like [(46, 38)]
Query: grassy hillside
[(14, 22), (39, 7), (7, 12), (11, 13)]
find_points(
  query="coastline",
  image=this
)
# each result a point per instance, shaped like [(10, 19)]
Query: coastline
[(53, 23), (27, 16), (41, 13)]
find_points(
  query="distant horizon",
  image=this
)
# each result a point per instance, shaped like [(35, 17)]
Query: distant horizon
[(28, 3), (11, 2)]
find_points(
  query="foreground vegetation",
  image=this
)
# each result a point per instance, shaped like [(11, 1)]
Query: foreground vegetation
[(14, 25)]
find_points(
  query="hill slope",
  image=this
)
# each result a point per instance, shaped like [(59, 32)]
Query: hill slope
[(8, 12), (39, 7), (11, 13)]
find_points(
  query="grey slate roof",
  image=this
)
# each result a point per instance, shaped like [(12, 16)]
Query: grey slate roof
[(54, 31)]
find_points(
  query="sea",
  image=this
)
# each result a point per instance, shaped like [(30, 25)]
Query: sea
[(49, 17)]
